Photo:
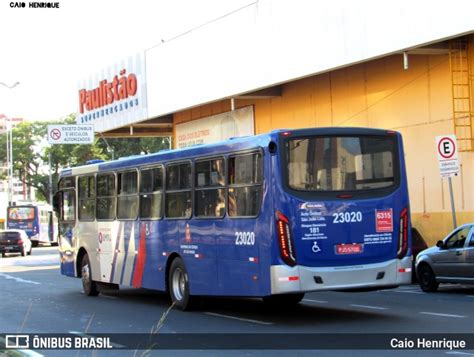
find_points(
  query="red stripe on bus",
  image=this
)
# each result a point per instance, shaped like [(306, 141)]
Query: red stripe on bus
[(140, 265)]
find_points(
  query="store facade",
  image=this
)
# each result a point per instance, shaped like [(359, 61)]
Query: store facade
[(283, 69)]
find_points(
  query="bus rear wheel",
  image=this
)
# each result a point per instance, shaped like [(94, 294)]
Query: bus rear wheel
[(283, 299), (34, 243), (89, 285), (178, 283)]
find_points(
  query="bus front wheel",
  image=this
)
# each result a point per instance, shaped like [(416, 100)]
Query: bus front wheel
[(89, 286), (178, 283)]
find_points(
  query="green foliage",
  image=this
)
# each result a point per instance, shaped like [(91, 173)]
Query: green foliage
[(31, 153)]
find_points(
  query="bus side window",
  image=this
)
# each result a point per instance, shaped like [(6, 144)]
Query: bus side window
[(151, 193), (245, 185), (209, 198), (127, 195), (86, 209), (178, 191), (68, 213), (105, 206)]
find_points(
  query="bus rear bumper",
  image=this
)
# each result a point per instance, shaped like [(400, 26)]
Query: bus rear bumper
[(285, 279)]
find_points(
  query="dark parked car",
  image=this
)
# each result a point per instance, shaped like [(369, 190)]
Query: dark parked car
[(418, 244), (450, 261), (15, 241)]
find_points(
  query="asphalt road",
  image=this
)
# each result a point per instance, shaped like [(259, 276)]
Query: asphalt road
[(36, 298)]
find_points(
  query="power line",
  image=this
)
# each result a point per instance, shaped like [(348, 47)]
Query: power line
[(204, 24)]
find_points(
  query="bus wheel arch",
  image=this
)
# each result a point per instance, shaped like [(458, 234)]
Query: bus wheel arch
[(80, 255), (171, 257), (177, 279)]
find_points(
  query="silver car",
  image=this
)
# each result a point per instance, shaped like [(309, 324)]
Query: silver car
[(450, 261)]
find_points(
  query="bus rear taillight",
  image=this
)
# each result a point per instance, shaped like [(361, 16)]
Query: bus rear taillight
[(284, 239), (403, 237)]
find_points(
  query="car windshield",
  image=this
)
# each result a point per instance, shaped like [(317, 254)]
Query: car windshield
[(9, 235), (335, 163)]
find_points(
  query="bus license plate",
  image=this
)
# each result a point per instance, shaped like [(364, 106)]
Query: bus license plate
[(355, 248)]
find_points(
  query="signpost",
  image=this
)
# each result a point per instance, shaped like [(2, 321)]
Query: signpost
[(447, 150), (67, 134), (71, 134)]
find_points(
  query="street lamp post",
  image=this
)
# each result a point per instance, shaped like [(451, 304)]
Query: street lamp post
[(10, 161), (10, 149)]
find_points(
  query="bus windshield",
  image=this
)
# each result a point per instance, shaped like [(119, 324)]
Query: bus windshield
[(345, 163), (21, 213)]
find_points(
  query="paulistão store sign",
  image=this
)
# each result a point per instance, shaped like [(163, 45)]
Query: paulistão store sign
[(216, 128), (115, 96)]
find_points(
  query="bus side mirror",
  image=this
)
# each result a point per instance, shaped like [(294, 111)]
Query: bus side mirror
[(57, 202)]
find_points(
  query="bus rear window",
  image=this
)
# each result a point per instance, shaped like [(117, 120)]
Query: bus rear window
[(341, 163), (21, 213)]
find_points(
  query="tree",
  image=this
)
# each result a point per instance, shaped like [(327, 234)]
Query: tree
[(31, 153), (123, 147)]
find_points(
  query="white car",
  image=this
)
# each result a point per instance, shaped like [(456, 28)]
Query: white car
[(15, 241)]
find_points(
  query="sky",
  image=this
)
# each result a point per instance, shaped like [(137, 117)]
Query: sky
[(49, 50)]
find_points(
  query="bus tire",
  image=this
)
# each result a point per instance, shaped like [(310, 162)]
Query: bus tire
[(283, 299), (89, 286), (178, 283), (34, 243), (427, 279)]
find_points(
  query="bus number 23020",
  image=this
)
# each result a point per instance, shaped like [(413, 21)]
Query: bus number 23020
[(244, 238)]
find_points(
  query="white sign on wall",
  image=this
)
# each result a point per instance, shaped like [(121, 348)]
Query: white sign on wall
[(447, 150), (216, 128), (70, 134), (115, 96)]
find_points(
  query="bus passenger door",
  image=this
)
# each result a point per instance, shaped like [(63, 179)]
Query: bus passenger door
[(238, 258)]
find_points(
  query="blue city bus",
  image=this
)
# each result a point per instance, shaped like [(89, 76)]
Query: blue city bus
[(37, 220), (272, 216)]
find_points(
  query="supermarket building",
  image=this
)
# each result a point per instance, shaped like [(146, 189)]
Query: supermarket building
[(399, 65)]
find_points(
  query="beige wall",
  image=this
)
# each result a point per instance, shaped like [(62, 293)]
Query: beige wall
[(380, 94)]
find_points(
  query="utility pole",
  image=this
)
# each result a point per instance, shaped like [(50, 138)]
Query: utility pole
[(10, 149)]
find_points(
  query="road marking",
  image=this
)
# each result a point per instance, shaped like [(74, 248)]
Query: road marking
[(471, 296), (459, 353), (19, 269), (239, 318), (408, 291), (30, 353), (19, 280), (82, 334), (442, 315), (370, 307), (316, 301), (107, 296)]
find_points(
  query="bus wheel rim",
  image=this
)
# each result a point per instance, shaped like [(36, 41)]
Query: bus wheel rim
[(85, 275), (179, 284)]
